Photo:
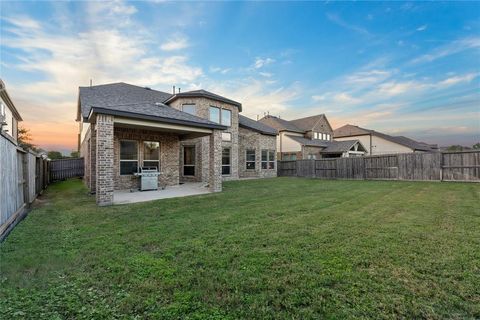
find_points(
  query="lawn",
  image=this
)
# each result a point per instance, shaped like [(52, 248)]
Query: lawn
[(262, 249)]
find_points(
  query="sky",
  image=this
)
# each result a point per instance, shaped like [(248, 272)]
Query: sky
[(403, 68)]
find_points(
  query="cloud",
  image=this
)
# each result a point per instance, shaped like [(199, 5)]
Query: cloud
[(457, 79), (454, 47), (422, 28), (220, 70), (23, 22), (262, 62), (176, 43), (339, 21)]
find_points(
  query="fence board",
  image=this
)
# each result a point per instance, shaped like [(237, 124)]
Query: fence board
[(456, 166), (66, 168)]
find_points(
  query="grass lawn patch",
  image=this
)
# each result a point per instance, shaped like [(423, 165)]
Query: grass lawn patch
[(261, 249)]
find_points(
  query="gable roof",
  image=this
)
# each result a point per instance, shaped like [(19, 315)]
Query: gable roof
[(203, 94), (6, 98), (329, 146), (341, 146), (256, 126), (309, 123), (103, 96), (349, 130), (280, 124)]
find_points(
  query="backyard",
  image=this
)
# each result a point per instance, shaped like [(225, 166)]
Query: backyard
[(262, 249)]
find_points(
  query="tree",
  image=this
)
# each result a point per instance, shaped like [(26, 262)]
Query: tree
[(75, 154), (54, 155), (476, 146), (25, 139), (455, 148)]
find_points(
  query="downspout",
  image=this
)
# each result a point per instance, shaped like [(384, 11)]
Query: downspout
[(370, 143), (281, 154)]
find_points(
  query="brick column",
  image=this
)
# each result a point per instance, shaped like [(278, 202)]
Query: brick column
[(215, 165), (104, 167)]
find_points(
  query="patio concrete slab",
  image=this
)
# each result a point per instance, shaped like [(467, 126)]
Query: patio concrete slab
[(182, 190)]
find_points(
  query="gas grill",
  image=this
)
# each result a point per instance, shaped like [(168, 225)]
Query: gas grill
[(148, 178)]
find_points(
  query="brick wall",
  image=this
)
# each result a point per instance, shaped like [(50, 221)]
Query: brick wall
[(249, 139), (104, 166)]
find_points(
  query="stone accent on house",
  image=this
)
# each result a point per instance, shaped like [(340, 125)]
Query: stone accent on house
[(249, 140), (169, 156), (202, 107), (104, 165), (215, 181)]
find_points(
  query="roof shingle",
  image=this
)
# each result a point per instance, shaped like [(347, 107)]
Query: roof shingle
[(256, 126)]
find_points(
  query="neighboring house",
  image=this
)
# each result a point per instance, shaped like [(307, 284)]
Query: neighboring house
[(190, 136), (9, 116), (380, 143), (310, 138)]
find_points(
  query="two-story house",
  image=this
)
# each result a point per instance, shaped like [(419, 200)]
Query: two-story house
[(310, 138), (9, 116), (190, 136)]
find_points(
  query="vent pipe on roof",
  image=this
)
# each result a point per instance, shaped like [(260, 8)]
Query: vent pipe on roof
[(173, 89), (90, 82), (179, 90)]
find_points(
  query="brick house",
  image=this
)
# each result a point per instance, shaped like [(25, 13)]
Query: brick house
[(194, 136), (310, 138)]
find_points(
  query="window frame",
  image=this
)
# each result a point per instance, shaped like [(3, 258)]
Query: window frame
[(194, 157), (120, 160), (254, 161), (229, 165), (190, 105), (159, 154), (222, 110), (219, 114), (269, 163)]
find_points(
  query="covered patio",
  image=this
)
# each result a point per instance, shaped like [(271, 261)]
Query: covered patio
[(114, 177)]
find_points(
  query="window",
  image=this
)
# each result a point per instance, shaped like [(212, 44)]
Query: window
[(226, 136), (189, 160), (215, 114), (311, 156), (151, 154), (324, 136), (226, 117), (189, 108), (315, 135), (328, 136), (226, 163), (268, 159), (128, 157), (250, 159)]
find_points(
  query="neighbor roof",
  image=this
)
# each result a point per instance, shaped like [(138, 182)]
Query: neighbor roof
[(256, 126), (103, 96), (340, 146), (308, 123), (280, 124), (351, 130), (203, 94)]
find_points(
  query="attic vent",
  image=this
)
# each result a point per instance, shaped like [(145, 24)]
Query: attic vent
[(158, 104), (148, 88)]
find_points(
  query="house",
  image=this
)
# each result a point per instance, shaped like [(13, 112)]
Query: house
[(9, 116), (381, 143), (310, 138), (194, 136)]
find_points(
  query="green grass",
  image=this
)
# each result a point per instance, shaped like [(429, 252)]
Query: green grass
[(262, 249)]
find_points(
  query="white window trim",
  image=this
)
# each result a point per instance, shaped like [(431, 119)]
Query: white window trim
[(247, 161), (159, 154), (221, 117), (268, 159), (190, 104), (219, 114), (120, 157)]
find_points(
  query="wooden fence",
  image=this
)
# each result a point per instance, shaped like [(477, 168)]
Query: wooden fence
[(23, 176), (66, 168), (445, 166)]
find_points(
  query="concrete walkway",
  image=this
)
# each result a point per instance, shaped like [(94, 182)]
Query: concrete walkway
[(182, 190)]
